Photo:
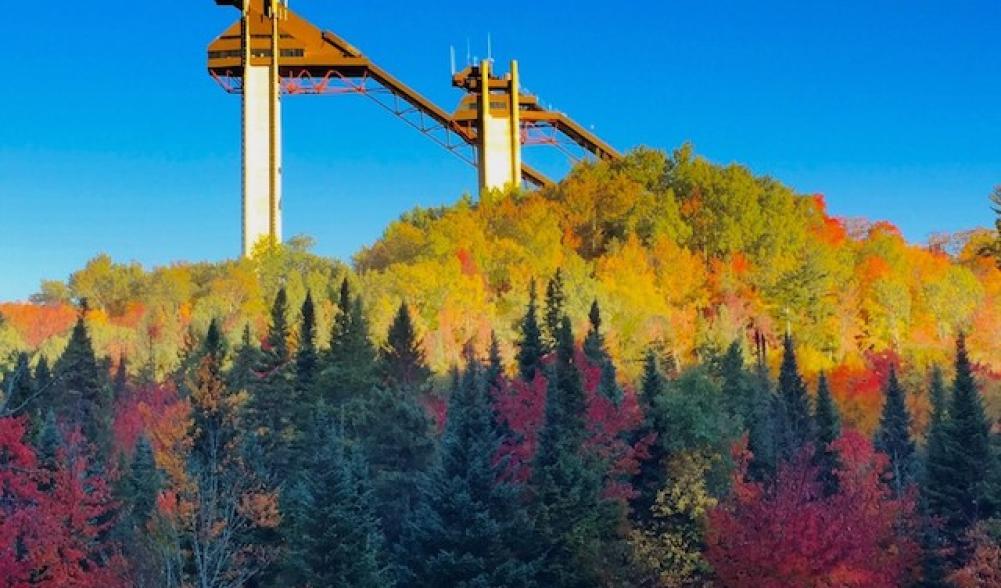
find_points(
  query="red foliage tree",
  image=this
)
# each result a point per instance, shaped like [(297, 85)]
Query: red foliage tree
[(521, 407), (52, 518), (792, 536)]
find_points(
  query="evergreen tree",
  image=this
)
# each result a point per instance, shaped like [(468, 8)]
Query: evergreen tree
[(81, 394), (530, 347), (334, 537), (214, 342), (736, 386), (469, 528), (349, 365), (957, 477), (136, 492), (936, 454), (797, 425), (763, 431), (555, 310), (495, 365), (306, 358), (17, 390), (828, 426), (652, 473), (576, 525), (401, 359), (50, 438), (894, 436), (43, 376), (396, 434), (242, 374), (594, 342), (595, 351), (274, 403), (121, 380)]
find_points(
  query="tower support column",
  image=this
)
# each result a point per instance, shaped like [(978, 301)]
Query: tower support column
[(262, 166), (499, 131)]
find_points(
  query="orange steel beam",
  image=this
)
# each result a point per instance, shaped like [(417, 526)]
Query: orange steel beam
[(315, 61)]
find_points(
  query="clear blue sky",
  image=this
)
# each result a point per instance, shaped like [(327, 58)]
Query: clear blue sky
[(113, 138)]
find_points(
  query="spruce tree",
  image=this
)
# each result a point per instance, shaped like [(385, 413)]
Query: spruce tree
[(334, 536), (894, 436), (43, 376), (136, 492), (306, 357), (576, 525), (936, 454), (348, 370), (214, 343), (594, 342), (530, 347), (274, 403), (827, 422), (401, 358), (736, 386), (597, 353), (81, 394), (763, 432), (555, 309), (242, 375), (652, 474), (797, 424), (469, 528), (956, 487), (121, 380), (495, 365), (17, 389)]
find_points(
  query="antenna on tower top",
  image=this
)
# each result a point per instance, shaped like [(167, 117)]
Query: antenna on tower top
[(451, 57), (469, 53), (490, 50)]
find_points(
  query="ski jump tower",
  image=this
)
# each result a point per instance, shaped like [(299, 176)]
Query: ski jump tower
[(272, 51)]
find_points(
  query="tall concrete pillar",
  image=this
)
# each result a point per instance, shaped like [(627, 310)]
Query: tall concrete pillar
[(499, 134), (262, 165)]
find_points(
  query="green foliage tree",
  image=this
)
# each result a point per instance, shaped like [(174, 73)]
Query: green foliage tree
[(401, 358), (530, 345), (894, 436), (797, 425), (469, 528), (958, 472), (334, 536), (349, 364), (81, 394), (827, 422), (555, 310), (577, 526)]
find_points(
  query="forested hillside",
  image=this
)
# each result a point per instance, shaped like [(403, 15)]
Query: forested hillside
[(662, 372)]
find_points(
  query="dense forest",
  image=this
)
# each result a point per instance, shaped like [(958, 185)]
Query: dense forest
[(661, 372)]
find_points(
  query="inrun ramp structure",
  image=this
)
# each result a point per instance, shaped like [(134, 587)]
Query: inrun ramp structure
[(271, 51)]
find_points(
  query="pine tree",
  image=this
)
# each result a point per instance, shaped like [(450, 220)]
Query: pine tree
[(136, 492), (401, 359), (469, 528), (763, 431), (894, 436), (957, 478), (495, 365), (214, 342), (595, 351), (274, 403), (594, 342), (796, 420), (334, 536), (936, 454), (348, 366), (306, 358), (736, 387), (828, 426), (81, 394), (577, 526), (121, 381), (530, 347), (43, 376), (17, 389), (242, 374), (652, 473), (555, 310)]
